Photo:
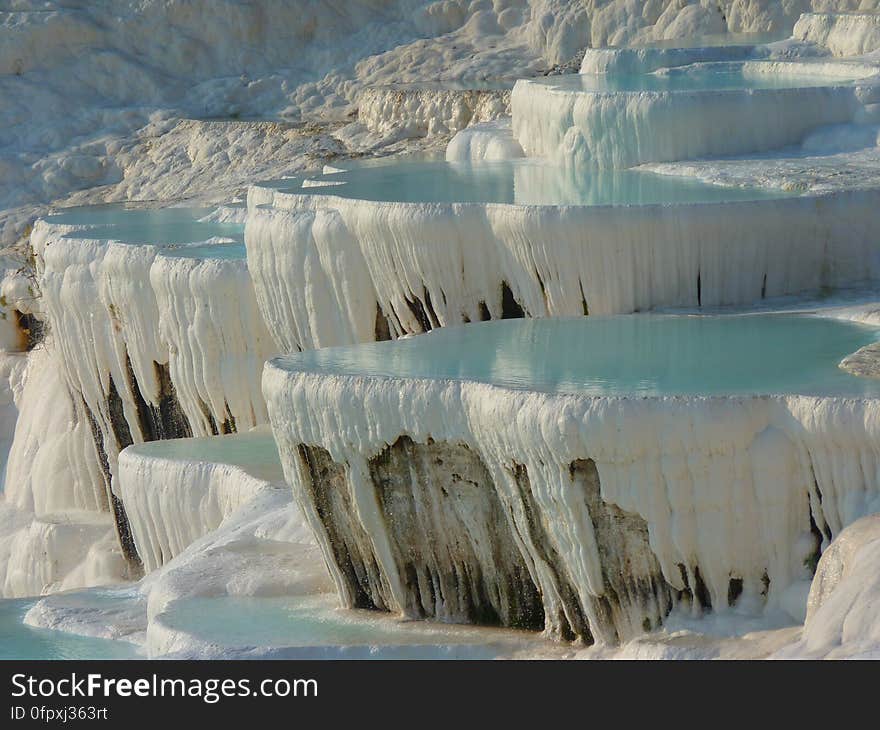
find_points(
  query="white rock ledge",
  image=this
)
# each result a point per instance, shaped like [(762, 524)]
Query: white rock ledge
[(864, 362), (179, 490), (710, 500), (330, 271), (621, 129)]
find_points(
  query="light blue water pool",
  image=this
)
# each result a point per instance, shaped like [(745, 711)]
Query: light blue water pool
[(644, 355), (18, 641), (312, 627), (114, 213), (524, 182), (222, 251), (255, 451), (172, 226), (717, 76)]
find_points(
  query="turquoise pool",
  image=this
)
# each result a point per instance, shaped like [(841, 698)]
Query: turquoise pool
[(644, 355), (255, 451), (221, 251), (711, 76), (18, 641), (524, 182), (311, 627), (159, 226)]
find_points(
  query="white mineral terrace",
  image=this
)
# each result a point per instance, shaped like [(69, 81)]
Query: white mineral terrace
[(141, 305), (175, 491), (738, 448), (700, 110), (222, 416), (391, 241), (651, 57), (152, 337)]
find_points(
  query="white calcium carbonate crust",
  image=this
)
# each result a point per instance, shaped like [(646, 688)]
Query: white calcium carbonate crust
[(617, 130), (172, 501), (726, 485), (322, 264), (843, 34)]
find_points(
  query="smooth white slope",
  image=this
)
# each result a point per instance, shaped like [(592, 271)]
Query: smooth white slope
[(842, 618)]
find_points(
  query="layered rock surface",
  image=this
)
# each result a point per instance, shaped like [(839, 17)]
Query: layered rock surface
[(702, 502)]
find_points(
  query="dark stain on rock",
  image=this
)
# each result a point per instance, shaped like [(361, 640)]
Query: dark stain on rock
[(634, 583), (117, 509), (165, 420), (418, 311), (510, 308), (352, 552), (32, 330), (382, 331), (450, 536)]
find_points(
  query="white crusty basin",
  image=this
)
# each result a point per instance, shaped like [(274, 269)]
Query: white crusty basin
[(156, 324), (581, 476), (410, 245), (648, 57), (698, 110)]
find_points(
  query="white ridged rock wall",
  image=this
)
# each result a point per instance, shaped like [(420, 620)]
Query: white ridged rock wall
[(321, 264), (174, 493), (420, 111), (617, 130), (217, 340), (57, 531), (732, 490), (311, 279)]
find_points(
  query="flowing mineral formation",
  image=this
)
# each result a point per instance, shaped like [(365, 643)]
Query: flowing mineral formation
[(130, 371), (594, 532), (406, 268)]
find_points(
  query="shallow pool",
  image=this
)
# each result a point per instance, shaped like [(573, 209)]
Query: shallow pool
[(716, 40), (523, 182), (644, 355), (146, 225), (18, 641), (255, 451), (713, 76), (312, 627), (220, 251)]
